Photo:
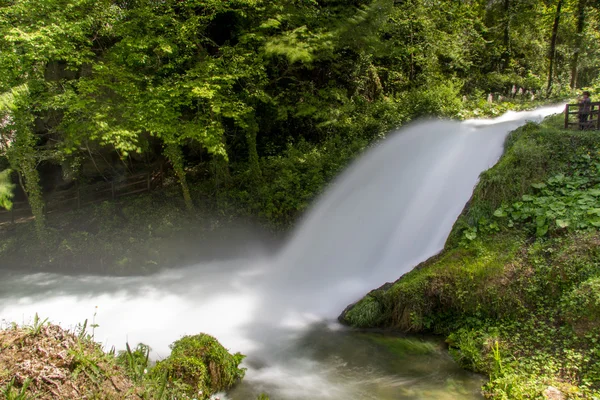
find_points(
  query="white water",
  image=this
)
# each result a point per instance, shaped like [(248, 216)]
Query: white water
[(389, 211)]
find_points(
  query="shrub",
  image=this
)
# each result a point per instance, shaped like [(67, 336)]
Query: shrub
[(200, 366)]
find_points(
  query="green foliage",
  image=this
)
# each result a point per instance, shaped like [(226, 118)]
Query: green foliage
[(11, 392), (366, 313), (581, 307), (36, 327), (173, 153), (561, 202), (240, 81), (466, 346), (199, 367), (547, 176), (6, 189), (136, 361)]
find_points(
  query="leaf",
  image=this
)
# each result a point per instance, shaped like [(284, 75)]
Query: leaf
[(541, 230), (540, 221), (527, 197), (563, 223), (500, 213), (538, 185), (471, 233)]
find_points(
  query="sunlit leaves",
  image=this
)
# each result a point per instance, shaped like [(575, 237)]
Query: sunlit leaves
[(6, 189)]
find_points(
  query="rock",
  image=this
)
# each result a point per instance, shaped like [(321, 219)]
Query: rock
[(552, 393)]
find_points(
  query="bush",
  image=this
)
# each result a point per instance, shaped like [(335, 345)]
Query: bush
[(200, 366), (581, 307)]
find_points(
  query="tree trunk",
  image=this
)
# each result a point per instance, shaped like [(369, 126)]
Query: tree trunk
[(552, 52), (578, 41), (173, 153), (253, 160), (34, 191), (507, 53)]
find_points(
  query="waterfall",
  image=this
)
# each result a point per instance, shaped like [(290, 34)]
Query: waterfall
[(391, 209)]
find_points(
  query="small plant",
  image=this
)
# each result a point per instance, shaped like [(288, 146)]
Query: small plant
[(135, 361), (36, 327), (82, 328), (498, 369), (11, 392), (86, 361)]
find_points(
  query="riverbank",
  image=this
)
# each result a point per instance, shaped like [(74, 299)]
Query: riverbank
[(515, 289), (45, 361)]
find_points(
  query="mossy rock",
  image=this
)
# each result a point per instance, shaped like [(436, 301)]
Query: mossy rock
[(366, 313), (200, 366)]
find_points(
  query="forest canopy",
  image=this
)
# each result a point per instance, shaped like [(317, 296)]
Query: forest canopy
[(254, 89)]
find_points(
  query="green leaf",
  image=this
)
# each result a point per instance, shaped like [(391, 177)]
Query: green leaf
[(500, 213), (527, 197), (471, 233), (540, 221), (541, 230), (563, 223), (539, 185)]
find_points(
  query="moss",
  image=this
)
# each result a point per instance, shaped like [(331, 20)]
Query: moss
[(200, 366), (401, 346), (366, 313)]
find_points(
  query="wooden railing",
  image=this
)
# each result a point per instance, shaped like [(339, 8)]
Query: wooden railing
[(81, 196), (573, 120)]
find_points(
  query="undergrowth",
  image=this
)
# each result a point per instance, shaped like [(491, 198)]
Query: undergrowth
[(43, 361)]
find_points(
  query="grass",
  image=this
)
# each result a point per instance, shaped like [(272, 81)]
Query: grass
[(515, 289), (54, 363)]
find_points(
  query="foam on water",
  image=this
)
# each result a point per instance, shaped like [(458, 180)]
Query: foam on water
[(390, 210)]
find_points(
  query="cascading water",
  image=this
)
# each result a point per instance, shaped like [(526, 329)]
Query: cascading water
[(389, 211)]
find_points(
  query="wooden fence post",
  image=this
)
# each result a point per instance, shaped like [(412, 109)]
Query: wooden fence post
[(567, 116)]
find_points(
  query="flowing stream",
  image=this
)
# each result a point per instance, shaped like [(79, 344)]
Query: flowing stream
[(391, 209)]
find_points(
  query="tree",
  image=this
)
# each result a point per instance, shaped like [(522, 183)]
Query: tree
[(552, 51), (581, 6), (18, 146)]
